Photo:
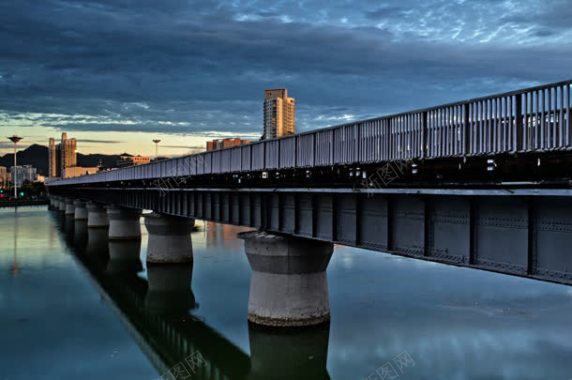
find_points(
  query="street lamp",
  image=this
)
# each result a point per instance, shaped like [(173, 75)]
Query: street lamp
[(156, 141), (15, 140)]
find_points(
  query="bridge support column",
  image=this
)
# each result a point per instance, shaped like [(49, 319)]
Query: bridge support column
[(70, 209), (124, 223), (169, 239), (80, 211), (62, 204), (288, 286), (96, 216)]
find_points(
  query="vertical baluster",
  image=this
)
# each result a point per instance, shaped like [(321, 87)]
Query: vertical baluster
[(438, 132), (543, 121), (474, 128), (448, 132), (522, 118), (482, 128), (431, 121), (568, 120), (556, 121), (462, 116), (504, 119), (488, 116), (497, 125), (485, 125), (561, 119), (440, 128), (535, 130), (510, 132), (550, 120)]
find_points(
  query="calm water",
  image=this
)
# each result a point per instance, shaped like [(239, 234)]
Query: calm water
[(70, 310)]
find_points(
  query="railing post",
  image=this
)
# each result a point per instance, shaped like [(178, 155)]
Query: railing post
[(424, 135), (518, 120), (466, 129)]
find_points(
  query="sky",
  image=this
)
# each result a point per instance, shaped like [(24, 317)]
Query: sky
[(116, 74)]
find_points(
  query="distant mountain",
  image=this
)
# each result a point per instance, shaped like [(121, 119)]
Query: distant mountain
[(37, 156), (107, 161)]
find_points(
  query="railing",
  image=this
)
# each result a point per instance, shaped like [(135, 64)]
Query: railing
[(535, 119)]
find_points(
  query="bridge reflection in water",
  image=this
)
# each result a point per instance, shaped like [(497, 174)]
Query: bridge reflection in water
[(158, 314)]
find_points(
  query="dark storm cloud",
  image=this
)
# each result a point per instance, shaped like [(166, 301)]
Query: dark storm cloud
[(200, 66)]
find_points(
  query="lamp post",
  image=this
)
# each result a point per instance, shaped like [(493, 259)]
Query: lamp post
[(156, 141), (15, 140)]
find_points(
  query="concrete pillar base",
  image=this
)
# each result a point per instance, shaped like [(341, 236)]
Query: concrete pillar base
[(96, 216), (169, 239), (70, 209), (124, 223), (80, 210), (62, 204), (289, 286)]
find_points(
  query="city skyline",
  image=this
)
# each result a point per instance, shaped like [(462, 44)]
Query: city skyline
[(343, 62)]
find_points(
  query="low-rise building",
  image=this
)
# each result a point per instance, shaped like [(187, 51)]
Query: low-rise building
[(78, 171), (225, 143), (23, 173), (127, 159)]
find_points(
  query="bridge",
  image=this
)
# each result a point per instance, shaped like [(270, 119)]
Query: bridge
[(159, 317), (482, 183)]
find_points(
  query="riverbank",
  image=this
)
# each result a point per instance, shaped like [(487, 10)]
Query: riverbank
[(23, 202)]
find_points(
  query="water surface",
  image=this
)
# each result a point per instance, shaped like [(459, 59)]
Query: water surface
[(69, 309)]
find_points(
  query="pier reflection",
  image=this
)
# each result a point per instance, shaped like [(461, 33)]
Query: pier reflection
[(158, 314)]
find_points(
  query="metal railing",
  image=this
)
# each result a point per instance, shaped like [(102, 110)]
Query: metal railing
[(535, 119)]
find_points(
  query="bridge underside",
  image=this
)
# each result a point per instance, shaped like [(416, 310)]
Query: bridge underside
[(526, 235)]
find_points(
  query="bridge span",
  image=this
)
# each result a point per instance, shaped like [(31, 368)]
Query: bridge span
[(483, 183)]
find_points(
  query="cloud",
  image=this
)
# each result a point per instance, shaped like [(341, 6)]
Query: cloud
[(196, 67), (100, 141)]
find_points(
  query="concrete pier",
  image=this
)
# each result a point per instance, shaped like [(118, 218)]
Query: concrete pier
[(80, 212), (70, 209), (96, 216), (62, 204), (288, 286), (169, 239), (124, 223)]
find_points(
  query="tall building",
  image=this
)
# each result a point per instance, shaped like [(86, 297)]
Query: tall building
[(63, 159), (68, 153), (4, 177), (225, 143), (53, 159), (279, 113)]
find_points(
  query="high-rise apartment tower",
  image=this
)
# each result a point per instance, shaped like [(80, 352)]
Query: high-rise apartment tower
[(279, 113), (61, 156)]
